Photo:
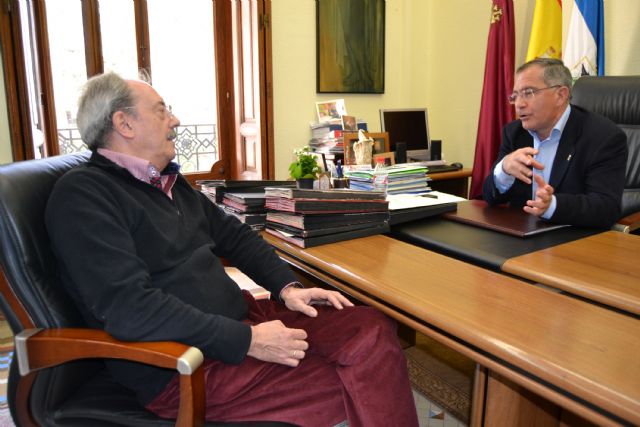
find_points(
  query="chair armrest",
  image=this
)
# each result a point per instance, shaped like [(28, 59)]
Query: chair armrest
[(43, 348), (629, 223)]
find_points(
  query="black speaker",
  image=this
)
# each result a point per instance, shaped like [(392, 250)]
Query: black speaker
[(436, 149), (401, 152)]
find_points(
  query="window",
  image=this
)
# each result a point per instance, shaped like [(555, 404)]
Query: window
[(193, 50)]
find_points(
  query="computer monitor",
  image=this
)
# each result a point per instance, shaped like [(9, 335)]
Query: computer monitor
[(408, 125)]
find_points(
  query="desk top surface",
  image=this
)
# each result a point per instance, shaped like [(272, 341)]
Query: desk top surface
[(483, 247), (586, 350), (603, 267)]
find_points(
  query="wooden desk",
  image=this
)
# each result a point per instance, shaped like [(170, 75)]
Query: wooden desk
[(456, 183), (603, 268), (580, 356)]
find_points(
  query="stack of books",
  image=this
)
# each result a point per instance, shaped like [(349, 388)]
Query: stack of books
[(308, 218), (242, 199), (406, 178), (215, 189), (327, 138), (247, 207)]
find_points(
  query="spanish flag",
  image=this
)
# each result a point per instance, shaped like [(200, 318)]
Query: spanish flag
[(546, 30)]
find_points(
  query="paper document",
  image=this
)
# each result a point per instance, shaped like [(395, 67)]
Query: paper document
[(408, 201), (245, 283)]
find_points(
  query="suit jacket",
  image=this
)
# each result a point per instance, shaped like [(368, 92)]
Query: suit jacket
[(588, 172)]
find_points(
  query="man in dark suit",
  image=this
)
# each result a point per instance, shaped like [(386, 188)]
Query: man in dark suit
[(558, 161)]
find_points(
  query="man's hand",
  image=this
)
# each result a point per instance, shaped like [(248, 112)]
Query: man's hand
[(302, 299), (542, 201), (274, 342), (519, 164)]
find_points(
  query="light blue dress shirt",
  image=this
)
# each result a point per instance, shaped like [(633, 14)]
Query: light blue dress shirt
[(546, 154)]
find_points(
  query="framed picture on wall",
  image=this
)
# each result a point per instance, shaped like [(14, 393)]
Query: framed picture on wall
[(380, 144), (350, 46)]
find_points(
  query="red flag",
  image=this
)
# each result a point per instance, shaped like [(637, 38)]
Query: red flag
[(495, 110)]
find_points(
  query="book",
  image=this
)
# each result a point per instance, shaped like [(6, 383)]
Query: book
[(234, 183), (310, 206), (299, 232), (336, 194), (249, 218), (249, 199), (316, 221), (215, 189), (328, 238), (242, 207), (501, 218), (245, 283)]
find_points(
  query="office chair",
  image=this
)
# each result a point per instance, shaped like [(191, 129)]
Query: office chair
[(62, 380), (618, 98)]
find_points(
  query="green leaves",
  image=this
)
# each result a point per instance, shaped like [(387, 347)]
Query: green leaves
[(305, 165)]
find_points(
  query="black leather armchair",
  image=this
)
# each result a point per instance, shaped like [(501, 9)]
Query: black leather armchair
[(62, 380), (618, 98)]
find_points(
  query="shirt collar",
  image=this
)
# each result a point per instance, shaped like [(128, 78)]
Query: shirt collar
[(142, 169)]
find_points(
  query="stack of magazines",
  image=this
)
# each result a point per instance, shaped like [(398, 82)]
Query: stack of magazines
[(406, 178), (308, 218), (247, 207), (242, 199)]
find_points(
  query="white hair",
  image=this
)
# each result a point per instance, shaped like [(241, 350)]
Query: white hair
[(101, 97)]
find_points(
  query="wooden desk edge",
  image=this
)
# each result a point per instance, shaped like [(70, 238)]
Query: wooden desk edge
[(440, 176), (520, 266), (612, 403)]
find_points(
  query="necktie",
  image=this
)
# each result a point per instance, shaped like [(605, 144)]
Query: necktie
[(156, 181)]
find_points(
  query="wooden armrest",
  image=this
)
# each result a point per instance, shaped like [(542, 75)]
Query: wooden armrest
[(43, 348), (629, 223)]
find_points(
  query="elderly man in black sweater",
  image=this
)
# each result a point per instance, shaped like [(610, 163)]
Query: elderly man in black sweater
[(139, 251)]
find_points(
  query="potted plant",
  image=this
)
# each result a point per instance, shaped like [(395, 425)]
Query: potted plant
[(304, 169)]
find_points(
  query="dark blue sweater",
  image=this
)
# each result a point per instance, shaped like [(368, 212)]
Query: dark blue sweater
[(144, 267)]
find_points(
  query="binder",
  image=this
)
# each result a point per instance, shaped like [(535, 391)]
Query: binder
[(501, 218)]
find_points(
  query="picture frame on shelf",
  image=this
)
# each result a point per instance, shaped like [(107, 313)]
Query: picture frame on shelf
[(349, 123), (389, 158), (380, 144), (331, 110)]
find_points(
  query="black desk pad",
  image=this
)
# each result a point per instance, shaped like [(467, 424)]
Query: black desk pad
[(479, 246)]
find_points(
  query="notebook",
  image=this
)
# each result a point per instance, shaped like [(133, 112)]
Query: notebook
[(502, 218)]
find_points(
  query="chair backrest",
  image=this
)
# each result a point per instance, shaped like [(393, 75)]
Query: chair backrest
[(618, 98), (26, 258)]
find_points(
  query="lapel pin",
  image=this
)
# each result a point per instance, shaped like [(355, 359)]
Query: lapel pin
[(569, 157)]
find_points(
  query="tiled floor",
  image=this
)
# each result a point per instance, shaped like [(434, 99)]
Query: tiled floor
[(430, 415)]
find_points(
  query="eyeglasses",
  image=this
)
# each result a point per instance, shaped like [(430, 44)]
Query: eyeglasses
[(166, 110), (527, 93)]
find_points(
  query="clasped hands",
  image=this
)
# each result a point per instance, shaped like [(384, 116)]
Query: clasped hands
[(274, 342), (520, 165)]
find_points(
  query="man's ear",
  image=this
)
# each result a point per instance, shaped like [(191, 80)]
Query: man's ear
[(565, 92), (120, 122)]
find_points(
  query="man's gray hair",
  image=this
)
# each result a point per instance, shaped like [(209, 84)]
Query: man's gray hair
[(101, 97), (554, 72)]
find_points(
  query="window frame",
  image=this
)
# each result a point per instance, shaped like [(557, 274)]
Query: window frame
[(227, 61)]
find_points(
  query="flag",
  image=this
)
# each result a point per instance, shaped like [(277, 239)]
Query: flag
[(546, 30), (495, 110), (584, 49)]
